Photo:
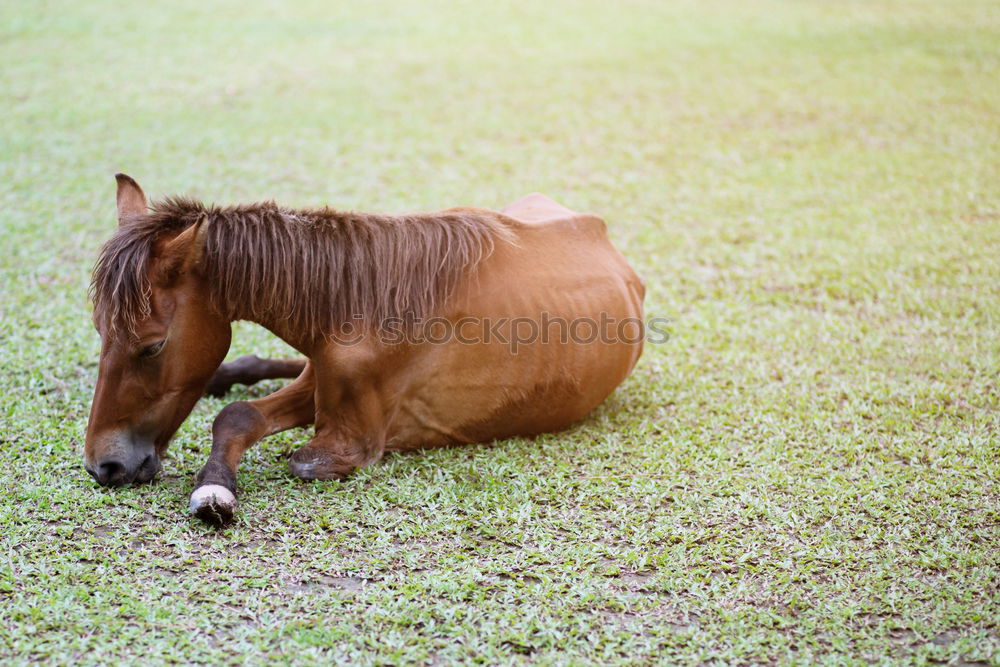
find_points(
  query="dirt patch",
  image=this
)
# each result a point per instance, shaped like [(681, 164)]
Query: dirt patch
[(324, 582)]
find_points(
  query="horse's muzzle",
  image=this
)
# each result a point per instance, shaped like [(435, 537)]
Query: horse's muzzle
[(118, 471)]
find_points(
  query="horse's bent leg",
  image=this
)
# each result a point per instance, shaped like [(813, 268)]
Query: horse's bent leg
[(238, 426), (325, 458), (349, 438), (251, 369)]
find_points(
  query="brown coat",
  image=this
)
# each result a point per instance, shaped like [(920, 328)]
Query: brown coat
[(465, 325)]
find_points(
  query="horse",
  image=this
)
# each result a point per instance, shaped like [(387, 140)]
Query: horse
[(466, 325)]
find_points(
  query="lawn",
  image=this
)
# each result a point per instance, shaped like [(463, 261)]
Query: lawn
[(807, 471)]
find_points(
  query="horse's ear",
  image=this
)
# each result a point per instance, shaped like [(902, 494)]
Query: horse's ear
[(131, 198), (183, 253)]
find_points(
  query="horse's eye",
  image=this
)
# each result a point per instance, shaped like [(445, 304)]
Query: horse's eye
[(151, 350)]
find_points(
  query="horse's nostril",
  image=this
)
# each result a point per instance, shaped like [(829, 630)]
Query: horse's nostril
[(110, 473), (148, 468)]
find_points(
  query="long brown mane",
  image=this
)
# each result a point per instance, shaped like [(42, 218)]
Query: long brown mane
[(318, 269)]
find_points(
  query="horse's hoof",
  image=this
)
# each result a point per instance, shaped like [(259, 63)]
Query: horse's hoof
[(306, 466), (306, 470), (219, 385), (213, 504)]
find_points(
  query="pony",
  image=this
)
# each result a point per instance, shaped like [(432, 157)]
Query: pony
[(465, 325)]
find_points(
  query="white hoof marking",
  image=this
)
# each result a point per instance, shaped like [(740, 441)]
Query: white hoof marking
[(211, 493)]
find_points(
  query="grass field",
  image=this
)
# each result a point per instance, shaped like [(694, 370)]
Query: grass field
[(806, 472)]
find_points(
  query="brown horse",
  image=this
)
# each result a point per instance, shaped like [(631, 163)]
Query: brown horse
[(465, 325)]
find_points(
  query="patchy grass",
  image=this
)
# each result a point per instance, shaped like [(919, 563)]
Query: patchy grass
[(808, 470)]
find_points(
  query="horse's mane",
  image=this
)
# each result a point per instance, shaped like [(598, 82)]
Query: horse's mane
[(317, 269)]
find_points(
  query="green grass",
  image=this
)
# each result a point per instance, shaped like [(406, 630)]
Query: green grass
[(806, 472)]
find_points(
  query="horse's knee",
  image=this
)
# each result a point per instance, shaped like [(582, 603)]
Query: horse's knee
[(238, 421)]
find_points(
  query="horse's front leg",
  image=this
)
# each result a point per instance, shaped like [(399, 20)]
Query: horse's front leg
[(250, 369), (350, 432), (238, 426)]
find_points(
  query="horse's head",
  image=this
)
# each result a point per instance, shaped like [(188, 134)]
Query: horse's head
[(161, 340)]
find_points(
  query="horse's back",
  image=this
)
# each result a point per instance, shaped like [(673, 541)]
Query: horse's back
[(562, 270), (576, 245), (536, 208)]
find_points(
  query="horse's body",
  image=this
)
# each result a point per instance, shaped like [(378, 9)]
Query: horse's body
[(563, 265), (527, 336)]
